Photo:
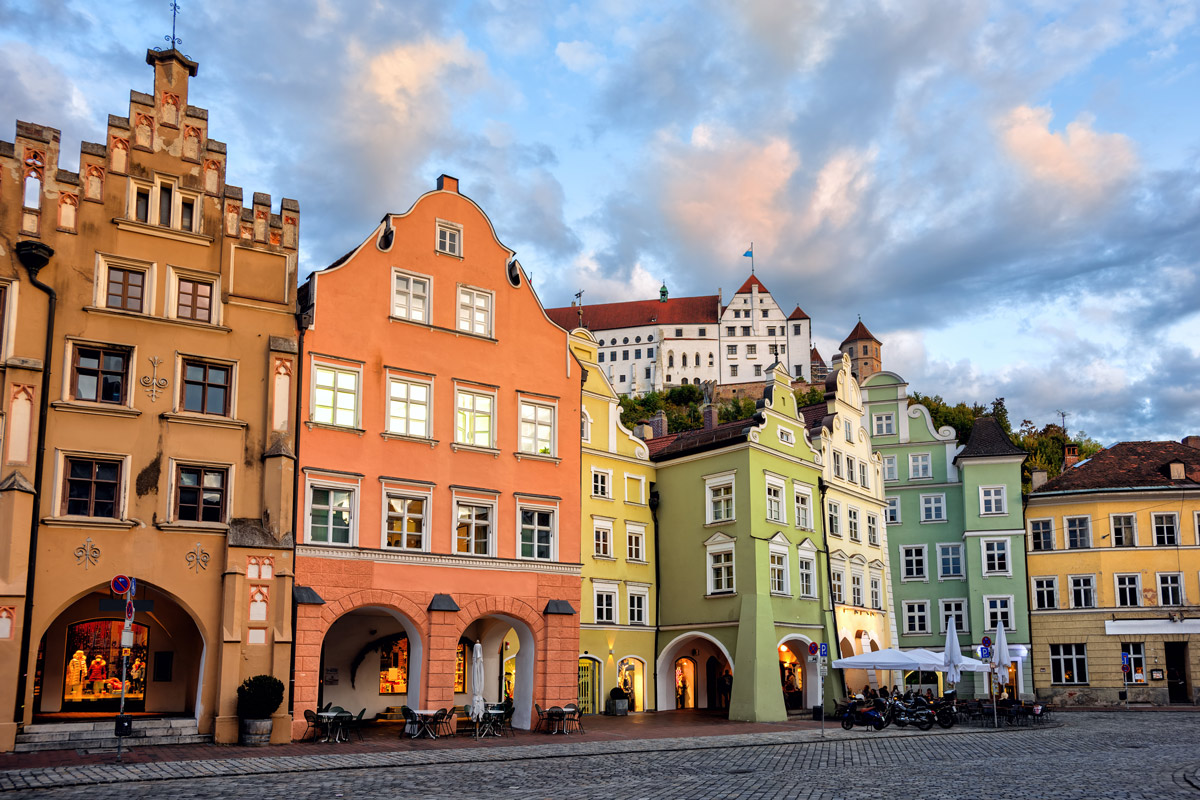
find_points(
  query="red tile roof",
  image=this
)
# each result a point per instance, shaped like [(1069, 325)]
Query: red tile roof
[(635, 313), (1130, 464), (813, 415), (705, 438), (658, 445), (798, 314), (859, 333), (752, 281), (813, 355)]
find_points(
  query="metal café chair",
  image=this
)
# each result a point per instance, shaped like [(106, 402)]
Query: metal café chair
[(571, 719)]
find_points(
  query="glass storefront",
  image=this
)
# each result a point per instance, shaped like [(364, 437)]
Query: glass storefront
[(393, 666), (93, 672)]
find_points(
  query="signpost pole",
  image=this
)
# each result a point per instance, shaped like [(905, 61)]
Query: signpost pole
[(123, 585)]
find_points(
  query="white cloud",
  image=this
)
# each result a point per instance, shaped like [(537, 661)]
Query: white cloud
[(580, 57)]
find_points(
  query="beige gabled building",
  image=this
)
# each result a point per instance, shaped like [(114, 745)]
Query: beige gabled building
[(149, 431)]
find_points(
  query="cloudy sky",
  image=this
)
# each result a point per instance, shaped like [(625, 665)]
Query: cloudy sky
[(1008, 193)]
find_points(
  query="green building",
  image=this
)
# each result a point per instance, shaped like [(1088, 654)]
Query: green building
[(742, 562), (956, 531)]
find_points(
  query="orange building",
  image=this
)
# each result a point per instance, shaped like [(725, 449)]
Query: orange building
[(439, 467)]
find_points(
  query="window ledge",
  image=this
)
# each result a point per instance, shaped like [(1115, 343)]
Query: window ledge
[(781, 594), (717, 595), (470, 448), (635, 561), (934, 521), (599, 557), (204, 420), (187, 323), (162, 231), (995, 514), (76, 521), (401, 437), (942, 578), (538, 457), (602, 497), (720, 522), (328, 427), (997, 574), (914, 580), (193, 527), (101, 409)]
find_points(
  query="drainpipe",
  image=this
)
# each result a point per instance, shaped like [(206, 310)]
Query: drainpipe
[(302, 317), (837, 637), (654, 499), (34, 256)]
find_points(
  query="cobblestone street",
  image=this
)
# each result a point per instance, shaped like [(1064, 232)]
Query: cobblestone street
[(1087, 755)]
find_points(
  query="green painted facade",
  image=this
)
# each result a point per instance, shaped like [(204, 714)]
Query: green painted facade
[(940, 536), (758, 627)]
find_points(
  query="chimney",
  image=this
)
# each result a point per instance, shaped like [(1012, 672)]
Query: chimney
[(1038, 479), (658, 423), (708, 412), (1192, 441), (1176, 468), (447, 184), (643, 431), (1070, 456)]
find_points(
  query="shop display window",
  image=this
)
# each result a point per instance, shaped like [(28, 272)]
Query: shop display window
[(460, 668), (93, 669), (393, 667)]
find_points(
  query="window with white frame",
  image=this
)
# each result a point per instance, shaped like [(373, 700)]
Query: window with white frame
[(1068, 663), (850, 471), (331, 512), (1041, 534), (537, 428), (1135, 654), (1124, 530), (998, 611), (410, 297), (601, 483), (585, 423), (474, 311), (603, 537), (537, 533), (1083, 591), (449, 238), (1129, 590), (473, 418), (852, 524), (1045, 593), (872, 530), (837, 585), (889, 468), (992, 501), (606, 603), (408, 407), (876, 592), (406, 522), (834, 526), (786, 435), (837, 464), (473, 528), (920, 466), (638, 601), (808, 576), (956, 609), (1079, 532), (849, 431), (720, 500), (635, 542), (720, 568), (803, 499), (164, 204), (775, 509), (93, 486), (635, 489), (933, 508), (995, 557), (950, 560), (864, 474), (884, 424), (893, 511), (916, 617), (1170, 589), (779, 570), (335, 396), (856, 589), (913, 559), (1166, 529)]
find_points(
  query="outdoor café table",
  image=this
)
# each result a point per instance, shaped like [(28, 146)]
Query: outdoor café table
[(488, 724), (333, 731), (425, 723), (557, 720)]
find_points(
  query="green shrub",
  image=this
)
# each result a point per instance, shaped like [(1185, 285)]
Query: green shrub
[(259, 697)]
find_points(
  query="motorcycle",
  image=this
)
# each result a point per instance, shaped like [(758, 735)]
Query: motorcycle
[(860, 712), (915, 712), (945, 710)]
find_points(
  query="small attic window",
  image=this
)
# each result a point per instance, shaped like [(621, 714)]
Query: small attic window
[(449, 239), (1176, 468), (514, 273)]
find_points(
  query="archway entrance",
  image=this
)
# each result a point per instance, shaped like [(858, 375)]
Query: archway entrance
[(371, 659), (79, 660), (792, 663), (684, 679), (508, 661), (589, 685), (631, 677)]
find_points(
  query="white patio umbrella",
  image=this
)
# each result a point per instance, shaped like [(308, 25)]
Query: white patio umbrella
[(477, 709), (889, 658), (1000, 660), (952, 656)]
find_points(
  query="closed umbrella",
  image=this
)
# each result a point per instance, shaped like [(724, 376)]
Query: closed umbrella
[(1000, 661), (952, 658), (477, 708)]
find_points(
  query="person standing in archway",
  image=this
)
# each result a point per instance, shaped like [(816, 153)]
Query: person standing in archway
[(725, 686)]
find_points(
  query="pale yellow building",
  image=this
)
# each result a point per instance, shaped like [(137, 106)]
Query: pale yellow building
[(618, 609)]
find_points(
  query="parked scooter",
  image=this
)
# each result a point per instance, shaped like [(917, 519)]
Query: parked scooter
[(862, 712)]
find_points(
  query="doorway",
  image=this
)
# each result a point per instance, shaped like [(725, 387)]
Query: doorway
[(589, 686), (685, 683), (1177, 684)]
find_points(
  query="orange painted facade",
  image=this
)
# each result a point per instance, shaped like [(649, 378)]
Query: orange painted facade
[(438, 401)]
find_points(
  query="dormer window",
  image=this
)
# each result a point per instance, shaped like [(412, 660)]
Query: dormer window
[(449, 239)]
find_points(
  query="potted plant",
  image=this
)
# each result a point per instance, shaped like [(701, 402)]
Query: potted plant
[(618, 702), (258, 698)]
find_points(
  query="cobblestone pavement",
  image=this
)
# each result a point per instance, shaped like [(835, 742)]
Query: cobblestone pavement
[(1088, 755)]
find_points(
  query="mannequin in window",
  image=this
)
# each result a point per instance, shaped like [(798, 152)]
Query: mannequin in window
[(77, 672), (97, 674)]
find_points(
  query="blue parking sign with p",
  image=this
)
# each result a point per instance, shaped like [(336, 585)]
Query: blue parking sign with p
[(824, 650)]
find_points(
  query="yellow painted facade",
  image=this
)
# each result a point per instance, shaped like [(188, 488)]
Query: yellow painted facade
[(617, 606)]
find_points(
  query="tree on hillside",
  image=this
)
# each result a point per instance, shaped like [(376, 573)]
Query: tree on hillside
[(814, 395), (682, 408)]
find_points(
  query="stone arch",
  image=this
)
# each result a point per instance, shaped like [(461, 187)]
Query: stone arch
[(531, 653), (811, 686), (665, 665)]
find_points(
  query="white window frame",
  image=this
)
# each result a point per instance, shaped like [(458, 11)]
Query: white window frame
[(459, 433), (712, 484), (786, 435), (407, 493), (474, 293), (885, 424), (1067, 532), (920, 466), (889, 469), (997, 496), (104, 261), (1137, 662), (585, 426), (1133, 530), (857, 590), (551, 509), (1011, 625), (962, 565), (720, 545), (779, 551), (409, 293), (849, 431), (864, 474), (802, 507), (837, 584), (1071, 588), (174, 276), (833, 520), (876, 590), (1053, 587), (1158, 583), (853, 529), (851, 469), (493, 524), (605, 476), (523, 403), (807, 568), (602, 539), (1033, 538), (909, 551), (394, 378), (837, 464), (640, 482), (1174, 520), (316, 483), (1137, 589), (892, 510), (152, 209), (962, 615), (612, 590), (635, 533), (643, 594), (776, 508), (336, 369), (918, 608), (873, 530), (941, 504), (1078, 650), (452, 229), (60, 482), (983, 555)]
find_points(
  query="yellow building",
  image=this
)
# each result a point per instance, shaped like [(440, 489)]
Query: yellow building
[(1114, 575), (860, 586), (618, 611)]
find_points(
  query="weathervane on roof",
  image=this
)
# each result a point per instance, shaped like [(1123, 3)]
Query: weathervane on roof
[(173, 40)]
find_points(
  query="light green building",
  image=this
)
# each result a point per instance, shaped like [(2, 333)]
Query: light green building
[(956, 531), (742, 562)]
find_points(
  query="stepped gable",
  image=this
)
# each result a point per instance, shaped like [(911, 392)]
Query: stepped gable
[(988, 439), (1130, 464), (799, 314), (706, 439), (750, 282), (636, 313), (859, 333)]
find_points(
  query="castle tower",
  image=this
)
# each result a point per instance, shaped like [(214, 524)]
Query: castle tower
[(865, 351)]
